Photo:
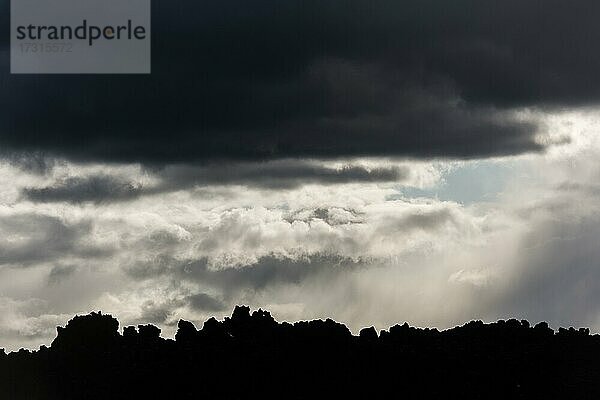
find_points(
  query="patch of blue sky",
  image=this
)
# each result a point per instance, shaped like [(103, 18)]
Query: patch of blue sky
[(469, 182)]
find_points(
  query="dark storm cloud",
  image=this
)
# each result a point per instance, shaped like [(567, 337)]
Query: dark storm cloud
[(97, 189), (273, 175), (284, 174), (205, 302), (159, 312), (266, 271), (273, 79), (31, 162)]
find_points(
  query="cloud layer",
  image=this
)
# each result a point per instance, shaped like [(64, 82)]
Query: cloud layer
[(242, 80)]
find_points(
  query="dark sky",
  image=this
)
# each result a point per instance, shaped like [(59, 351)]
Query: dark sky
[(248, 80)]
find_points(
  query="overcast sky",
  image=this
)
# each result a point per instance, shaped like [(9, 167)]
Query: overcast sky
[(370, 161)]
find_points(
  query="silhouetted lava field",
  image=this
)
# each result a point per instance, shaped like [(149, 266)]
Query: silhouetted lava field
[(250, 355)]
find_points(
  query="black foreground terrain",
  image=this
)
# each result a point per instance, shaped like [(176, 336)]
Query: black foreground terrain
[(251, 356)]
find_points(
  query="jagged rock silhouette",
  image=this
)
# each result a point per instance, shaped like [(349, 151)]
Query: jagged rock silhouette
[(250, 355)]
